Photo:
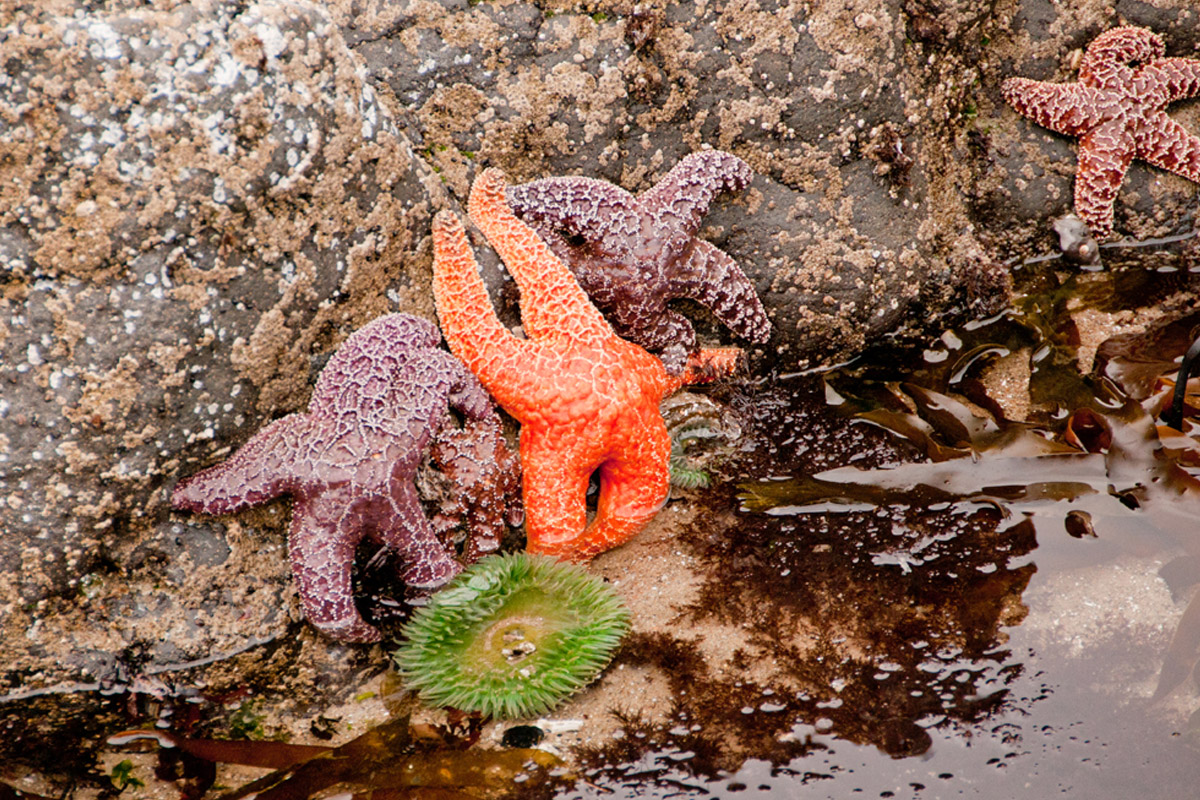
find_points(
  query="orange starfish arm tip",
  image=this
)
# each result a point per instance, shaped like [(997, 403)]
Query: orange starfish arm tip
[(552, 302)]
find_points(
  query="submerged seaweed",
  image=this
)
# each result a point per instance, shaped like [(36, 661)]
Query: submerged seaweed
[(883, 531)]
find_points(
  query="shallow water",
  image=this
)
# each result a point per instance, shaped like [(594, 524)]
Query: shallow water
[(1021, 602)]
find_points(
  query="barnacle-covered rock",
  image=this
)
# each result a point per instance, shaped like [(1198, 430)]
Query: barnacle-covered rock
[(197, 201)]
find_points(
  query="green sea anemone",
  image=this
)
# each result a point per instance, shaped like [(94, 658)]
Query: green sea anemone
[(512, 636)]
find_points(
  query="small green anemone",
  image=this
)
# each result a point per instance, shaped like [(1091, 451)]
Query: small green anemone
[(512, 636)]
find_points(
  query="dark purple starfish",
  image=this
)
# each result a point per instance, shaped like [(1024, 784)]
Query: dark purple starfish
[(478, 491), (349, 465), (633, 255)]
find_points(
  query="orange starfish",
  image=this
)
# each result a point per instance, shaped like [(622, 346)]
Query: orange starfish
[(586, 399)]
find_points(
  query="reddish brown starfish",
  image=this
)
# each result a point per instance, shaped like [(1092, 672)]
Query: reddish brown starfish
[(1117, 110), (477, 487), (349, 464), (633, 255), (586, 399)]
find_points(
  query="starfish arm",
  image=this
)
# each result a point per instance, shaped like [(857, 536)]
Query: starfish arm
[(712, 278), (1104, 158), (375, 351), (1180, 77), (665, 328), (554, 239), (1172, 147), (322, 557), (707, 365), (484, 485), (681, 198), (1106, 60), (1061, 107), (266, 466), (554, 482), (469, 322), (410, 535), (467, 395), (633, 487), (553, 304), (636, 308), (597, 211)]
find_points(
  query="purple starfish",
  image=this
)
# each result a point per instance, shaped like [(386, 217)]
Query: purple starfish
[(1118, 112), (349, 465), (633, 255)]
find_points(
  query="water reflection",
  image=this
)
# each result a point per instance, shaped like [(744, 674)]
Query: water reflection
[(894, 525)]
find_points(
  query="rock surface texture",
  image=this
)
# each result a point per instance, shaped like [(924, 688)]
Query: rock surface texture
[(200, 200)]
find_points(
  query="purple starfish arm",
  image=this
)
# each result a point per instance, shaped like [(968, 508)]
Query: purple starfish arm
[(682, 197), (265, 467), (603, 215), (467, 395), (364, 368), (712, 278), (321, 562), (633, 255)]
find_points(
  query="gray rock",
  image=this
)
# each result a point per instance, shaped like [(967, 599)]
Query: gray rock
[(850, 231), (196, 203)]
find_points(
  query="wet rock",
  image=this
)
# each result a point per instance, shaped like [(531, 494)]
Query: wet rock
[(522, 736), (199, 201), (195, 201), (1075, 241)]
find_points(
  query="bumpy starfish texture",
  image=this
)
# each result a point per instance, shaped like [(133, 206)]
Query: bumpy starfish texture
[(586, 399), (478, 492), (348, 464), (1117, 110), (632, 255)]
